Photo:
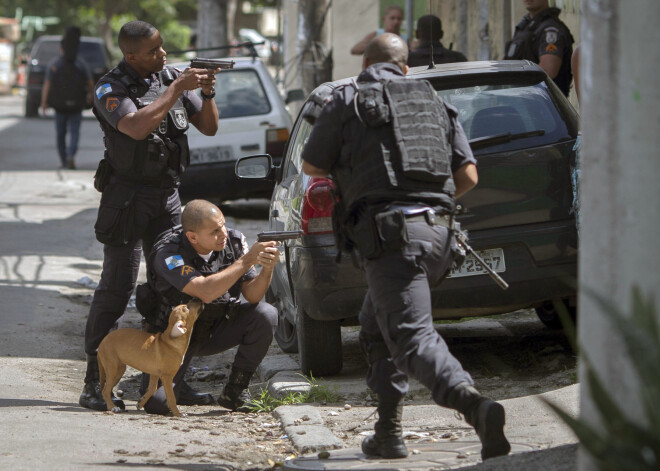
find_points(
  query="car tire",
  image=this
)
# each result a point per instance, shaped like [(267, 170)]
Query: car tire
[(31, 108), (319, 345), (549, 316)]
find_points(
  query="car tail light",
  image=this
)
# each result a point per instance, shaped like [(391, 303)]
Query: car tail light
[(276, 141), (317, 206)]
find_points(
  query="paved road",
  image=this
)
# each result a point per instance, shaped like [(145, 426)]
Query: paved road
[(49, 263)]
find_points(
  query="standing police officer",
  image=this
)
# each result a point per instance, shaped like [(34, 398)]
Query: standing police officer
[(399, 157), (208, 261), (429, 33), (143, 108), (541, 37)]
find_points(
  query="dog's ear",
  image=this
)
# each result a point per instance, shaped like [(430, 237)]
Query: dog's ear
[(178, 330)]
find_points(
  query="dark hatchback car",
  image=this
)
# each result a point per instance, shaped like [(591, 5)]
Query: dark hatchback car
[(522, 131), (47, 48)]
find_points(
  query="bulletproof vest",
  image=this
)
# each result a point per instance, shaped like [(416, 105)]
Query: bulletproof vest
[(401, 150), (164, 154), (229, 255), (521, 46)]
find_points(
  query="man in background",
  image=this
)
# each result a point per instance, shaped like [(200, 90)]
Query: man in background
[(68, 89), (392, 20), (429, 33)]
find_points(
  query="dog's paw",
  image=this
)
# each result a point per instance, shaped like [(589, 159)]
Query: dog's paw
[(116, 409)]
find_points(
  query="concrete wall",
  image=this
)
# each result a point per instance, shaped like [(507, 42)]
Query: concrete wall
[(619, 189)]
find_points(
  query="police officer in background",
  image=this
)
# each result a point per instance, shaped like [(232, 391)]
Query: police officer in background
[(144, 109), (206, 260), (429, 33), (399, 157), (542, 38)]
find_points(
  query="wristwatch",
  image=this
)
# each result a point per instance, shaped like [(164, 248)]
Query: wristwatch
[(206, 97)]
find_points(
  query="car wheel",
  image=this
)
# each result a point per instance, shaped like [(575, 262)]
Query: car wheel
[(549, 316), (31, 108), (285, 334), (319, 345)]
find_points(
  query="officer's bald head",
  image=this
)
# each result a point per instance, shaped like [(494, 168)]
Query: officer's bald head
[(386, 47), (197, 213), (132, 33)]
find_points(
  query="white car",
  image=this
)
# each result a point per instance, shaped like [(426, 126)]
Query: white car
[(254, 119), (253, 36)]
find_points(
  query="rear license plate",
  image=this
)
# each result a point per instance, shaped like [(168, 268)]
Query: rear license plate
[(494, 258), (211, 154)]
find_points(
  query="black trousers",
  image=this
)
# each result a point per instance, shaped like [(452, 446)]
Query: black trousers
[(156, 210), (397, 312), (252, 331)]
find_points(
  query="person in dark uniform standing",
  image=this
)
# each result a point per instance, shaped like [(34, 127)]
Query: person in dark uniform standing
[(206, 260), (541, 37), (399, 158), (429, 33), (144, 109)]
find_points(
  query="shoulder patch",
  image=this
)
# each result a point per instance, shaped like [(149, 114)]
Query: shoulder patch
[(186, 270), (551, 35), (111, 104), (551, 48), (103, 89), (174, 261)]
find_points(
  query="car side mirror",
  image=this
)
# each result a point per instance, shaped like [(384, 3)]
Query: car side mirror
[(255, 167), (294, 95)]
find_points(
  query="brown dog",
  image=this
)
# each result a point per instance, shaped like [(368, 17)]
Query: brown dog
[(159, 355)]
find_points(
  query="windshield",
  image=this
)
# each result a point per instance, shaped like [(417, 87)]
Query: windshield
[(493, 110), (240, 93)]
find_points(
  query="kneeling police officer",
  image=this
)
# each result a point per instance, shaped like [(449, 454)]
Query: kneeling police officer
[(399, 158), (204, 259)]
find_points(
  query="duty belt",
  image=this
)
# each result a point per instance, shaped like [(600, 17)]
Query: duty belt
[(431, 218)]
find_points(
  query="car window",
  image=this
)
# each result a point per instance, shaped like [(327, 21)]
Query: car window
[(91, 53), (240, 93), (490, 110), (293, 166)]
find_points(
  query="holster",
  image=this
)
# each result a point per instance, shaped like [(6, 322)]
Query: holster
[(380, 232), (102, 175), (115, 224)]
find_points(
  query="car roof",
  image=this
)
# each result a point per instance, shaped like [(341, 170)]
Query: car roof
[(462, 74), (90, 39)]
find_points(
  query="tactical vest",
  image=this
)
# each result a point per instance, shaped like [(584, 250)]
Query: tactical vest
[(172, 296), (521, 46), (401, 150), (163, 155)]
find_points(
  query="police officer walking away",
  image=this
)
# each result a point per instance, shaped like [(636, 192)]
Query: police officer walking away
[(206, 260), (144, 108), (541, 37), (399, 157)]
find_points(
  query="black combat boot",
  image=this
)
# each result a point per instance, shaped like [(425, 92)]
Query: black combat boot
[(486, 416), (387, 442), (189, 397), (91, 397), (236, 395)]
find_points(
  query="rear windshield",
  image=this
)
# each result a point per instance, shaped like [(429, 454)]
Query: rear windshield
[(491, 110), (240, 93), (91, 53)]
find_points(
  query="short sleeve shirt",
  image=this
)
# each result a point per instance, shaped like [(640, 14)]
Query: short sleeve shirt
[(552, 40), (177, 264), (112, 99)]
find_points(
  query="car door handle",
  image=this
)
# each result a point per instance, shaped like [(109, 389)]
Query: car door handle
[(274, 213), (250, 147), (265, 123)]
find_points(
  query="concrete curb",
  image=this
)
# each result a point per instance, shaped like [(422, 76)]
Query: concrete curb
[(305, 428)]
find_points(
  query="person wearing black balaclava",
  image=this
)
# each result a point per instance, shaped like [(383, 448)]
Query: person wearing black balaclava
[(68, 89)]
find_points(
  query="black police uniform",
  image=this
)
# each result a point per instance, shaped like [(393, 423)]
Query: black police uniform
[(544, 34), (422, 55), (140, 197), (396, 322), (225, 323)]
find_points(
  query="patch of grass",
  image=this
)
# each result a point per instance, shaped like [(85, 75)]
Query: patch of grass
[(318, 393)]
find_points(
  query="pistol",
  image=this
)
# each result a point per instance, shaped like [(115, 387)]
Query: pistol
[(200, 63), (278, 235)]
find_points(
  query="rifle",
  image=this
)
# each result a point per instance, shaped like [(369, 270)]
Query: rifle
[(462, 238), (278, 235), (199, 63)]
